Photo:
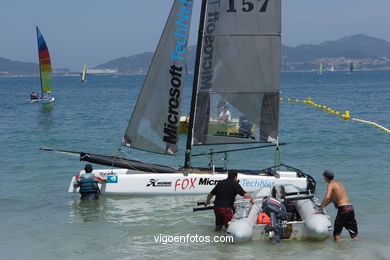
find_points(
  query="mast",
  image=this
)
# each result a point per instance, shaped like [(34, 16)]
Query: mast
[(39, 59), (195, 85)]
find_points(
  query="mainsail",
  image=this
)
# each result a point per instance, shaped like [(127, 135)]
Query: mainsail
[(44, 64), (154, 125), (239, 70)]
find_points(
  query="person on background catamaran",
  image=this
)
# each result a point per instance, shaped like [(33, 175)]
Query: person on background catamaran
[(34, 96), (346, 213), (88, 184), (225, 192)]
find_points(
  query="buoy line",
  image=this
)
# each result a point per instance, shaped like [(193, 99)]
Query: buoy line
[(345, 116)]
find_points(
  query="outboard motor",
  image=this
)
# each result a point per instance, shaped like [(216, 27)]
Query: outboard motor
[(276, 210), (279, 192)]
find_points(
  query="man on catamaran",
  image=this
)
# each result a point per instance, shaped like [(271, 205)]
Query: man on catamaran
[(225, 115), (88, 184), (346, 213), (225, 192), (34, 96)]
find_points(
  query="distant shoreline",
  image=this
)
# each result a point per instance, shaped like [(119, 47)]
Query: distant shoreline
[(144, 74)]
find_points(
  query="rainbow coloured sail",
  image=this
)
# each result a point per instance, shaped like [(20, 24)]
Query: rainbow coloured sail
[(44, 64)]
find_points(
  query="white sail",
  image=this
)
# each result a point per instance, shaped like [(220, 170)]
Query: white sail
[(240, 70), (154, 125)]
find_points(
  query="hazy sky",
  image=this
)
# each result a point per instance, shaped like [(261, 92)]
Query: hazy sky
[(96, 31)]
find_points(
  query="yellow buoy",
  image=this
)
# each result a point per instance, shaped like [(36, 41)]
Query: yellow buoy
[(346, 115), (296, 101), (304, 102), (289, 99), (281, 99), (324, 107), (337, 113)]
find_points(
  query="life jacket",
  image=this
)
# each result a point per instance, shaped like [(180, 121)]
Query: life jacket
[(88, 184)]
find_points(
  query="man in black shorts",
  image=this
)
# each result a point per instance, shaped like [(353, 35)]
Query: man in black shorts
[(225, 192), (346, 213)]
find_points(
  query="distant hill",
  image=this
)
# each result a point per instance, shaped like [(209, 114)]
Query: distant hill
[(364, 51), (136, 64), (354, 47), (16, 67), (139, 63)]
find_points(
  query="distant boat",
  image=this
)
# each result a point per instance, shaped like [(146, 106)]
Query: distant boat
[(84, 74), (44, 70), (320, 70), (351, 67), (116, 73), (332, 68)]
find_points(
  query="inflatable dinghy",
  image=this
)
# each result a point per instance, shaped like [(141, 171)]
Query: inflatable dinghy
[(278, 213)]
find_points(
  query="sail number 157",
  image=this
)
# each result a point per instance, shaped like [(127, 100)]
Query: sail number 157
[(248, 5)]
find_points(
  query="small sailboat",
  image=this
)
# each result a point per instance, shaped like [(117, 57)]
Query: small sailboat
[(237, 61), (320, 69), (351, 67), (45, 71), (116, 73), (84, 73), (332, 68)]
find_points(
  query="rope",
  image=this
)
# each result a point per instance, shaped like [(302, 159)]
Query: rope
[(373, 124)]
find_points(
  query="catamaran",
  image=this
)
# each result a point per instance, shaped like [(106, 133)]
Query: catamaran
[(238, 62), (84, 73), (116, 73), (320, 69), (44, 70)]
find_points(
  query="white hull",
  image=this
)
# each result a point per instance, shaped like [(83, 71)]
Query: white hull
[(42, 100), (129, 182), (245, 226)]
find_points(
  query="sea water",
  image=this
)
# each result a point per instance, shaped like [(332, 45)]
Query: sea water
[(40, 220)]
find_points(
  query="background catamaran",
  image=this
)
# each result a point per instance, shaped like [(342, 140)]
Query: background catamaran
[(84, 73), (44, 69), (320, 69), (237, 62)]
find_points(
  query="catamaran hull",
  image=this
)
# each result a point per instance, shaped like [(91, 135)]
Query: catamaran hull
[(42, 100), (129, 182)]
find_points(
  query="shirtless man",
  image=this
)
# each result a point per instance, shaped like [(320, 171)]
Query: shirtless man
[(345, 214)]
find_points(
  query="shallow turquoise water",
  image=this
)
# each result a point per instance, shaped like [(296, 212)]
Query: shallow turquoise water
[(40, 220)]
